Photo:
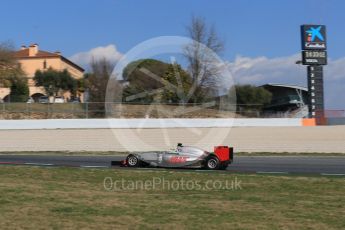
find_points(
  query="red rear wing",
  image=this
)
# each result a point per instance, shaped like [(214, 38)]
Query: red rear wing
[(224, 153)]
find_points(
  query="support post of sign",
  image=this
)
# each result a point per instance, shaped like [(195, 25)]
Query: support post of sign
[(314, 56), (316, 92)]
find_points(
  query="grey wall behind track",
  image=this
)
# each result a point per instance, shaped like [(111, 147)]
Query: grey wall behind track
[(326, 139)]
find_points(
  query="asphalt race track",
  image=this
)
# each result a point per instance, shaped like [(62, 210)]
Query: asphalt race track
[(251, 164)]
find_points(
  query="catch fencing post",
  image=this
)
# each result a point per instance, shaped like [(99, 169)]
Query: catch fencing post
[(87, 110)]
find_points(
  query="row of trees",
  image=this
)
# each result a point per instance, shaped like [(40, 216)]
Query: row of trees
[(149, 80), (139, 85), (171, 83), (139, 81)]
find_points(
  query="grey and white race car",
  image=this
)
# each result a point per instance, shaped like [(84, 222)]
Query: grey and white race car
[(181, 157)]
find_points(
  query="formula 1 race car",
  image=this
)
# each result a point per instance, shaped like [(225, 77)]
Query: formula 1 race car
[(181, 157)]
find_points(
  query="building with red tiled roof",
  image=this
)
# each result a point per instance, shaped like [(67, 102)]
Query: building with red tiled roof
[(32, 59)]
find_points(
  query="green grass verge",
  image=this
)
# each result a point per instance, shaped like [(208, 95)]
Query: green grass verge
[(54, 198)]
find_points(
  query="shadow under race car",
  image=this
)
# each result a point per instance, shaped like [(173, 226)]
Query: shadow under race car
[(181, 157)]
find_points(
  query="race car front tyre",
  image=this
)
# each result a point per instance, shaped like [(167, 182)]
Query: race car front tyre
[(132, 161), (212, 163)]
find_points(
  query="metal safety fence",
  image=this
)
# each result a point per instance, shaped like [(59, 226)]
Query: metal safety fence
[(140, 110)]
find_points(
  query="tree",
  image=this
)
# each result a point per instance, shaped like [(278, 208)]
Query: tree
[(141, 78), (139, 75), (97, 85), (150, 80), (183, 82), (132, 72), (53, 81), (200, 55), (11, 75), (97, 79), (19, 89), (251, 97), (9, 67), (81, 85)]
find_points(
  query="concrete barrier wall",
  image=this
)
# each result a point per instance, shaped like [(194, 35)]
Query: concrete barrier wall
[(336, 121), (144, 123), (267, 122), (323, 139)]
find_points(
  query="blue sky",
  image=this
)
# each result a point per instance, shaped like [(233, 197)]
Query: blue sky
[(249, 28), (257, 33)]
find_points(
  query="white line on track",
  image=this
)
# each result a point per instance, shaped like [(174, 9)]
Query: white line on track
[(260, 172), (332, 174), (39, 164), (203, 170), (93, 166)]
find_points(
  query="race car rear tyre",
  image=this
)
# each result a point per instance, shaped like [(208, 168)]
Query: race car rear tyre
[(212, 163), (132, 161)]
